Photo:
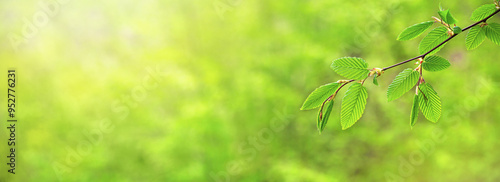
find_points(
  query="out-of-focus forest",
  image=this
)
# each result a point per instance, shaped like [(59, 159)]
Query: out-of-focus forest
[(211, 90)]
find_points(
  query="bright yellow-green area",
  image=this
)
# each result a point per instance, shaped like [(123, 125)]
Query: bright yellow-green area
[(185, 90)]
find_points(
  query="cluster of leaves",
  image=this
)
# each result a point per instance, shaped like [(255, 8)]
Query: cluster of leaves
[(478, 34), (426, 98)]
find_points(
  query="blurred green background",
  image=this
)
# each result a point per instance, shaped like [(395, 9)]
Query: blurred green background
[(210, 91)]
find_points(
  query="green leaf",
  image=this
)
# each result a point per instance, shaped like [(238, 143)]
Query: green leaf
[(457, 30), (351, 68), (353, 105), (493, 32), (451, 20), (429, 102), (414, 111), (414, 31), (483, 12), (435, 63), (323, 118), (433, 39), (447, 17), (475, 37), (443, 14), (375, 81), (319, 95), (402, 83)]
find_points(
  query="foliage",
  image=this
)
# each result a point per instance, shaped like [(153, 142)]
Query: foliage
[(433, 39), (483, 12), (415, 30), (435, 63), (475, 37), (351, 68), (426, 98), (414, 111), (353, 105), (402, 84), (319, 95), (493, 32), (429, 102)]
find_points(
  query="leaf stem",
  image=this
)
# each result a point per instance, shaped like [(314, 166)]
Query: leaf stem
[(442, 43), (332, 97), (421, 70), (342, 86)]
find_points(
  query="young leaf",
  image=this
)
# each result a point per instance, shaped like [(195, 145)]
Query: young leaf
[(318, 96), (414, 111), (375, 81), (351, 68), (435, 63), (457, 30), (443, 14), (433, 39), (493, 32), (414, 31), (483, 12), (402, 83), (450, 19), (353, 105), (447, 17), (429, 102), (475, 37), (324, 115)]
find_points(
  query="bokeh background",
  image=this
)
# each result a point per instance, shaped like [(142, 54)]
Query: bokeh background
[(210, 91)]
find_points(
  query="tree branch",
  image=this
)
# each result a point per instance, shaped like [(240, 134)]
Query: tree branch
[(442, 43)]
